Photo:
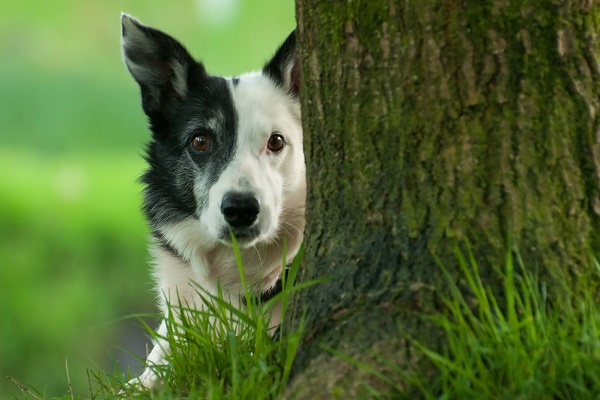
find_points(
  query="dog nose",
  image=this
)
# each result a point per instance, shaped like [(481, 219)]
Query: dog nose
[(239, 209)]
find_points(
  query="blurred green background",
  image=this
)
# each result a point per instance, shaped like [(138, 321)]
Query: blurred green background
[(73, 261)]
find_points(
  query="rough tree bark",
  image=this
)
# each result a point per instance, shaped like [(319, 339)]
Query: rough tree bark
[(429, 122)]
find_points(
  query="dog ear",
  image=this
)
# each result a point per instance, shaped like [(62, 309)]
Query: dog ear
[(159, 64), (284, 68)]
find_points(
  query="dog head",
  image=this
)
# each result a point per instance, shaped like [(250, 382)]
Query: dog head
[(226, 153)]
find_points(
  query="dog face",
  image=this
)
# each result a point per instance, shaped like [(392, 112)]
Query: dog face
[(226, 153), (264, 172)]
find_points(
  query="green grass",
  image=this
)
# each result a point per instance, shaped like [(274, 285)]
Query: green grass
[(527, 346), (222, 352), (514, 344)]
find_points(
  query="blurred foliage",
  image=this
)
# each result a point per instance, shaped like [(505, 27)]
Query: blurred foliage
[(73, 259)]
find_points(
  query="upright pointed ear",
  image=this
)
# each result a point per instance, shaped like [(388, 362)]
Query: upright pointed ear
[(159, 64), (284, 68)]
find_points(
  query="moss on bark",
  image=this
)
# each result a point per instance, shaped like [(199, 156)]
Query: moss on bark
[(432, 122)]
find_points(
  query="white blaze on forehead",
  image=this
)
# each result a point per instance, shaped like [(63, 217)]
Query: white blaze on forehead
[(262, 109)]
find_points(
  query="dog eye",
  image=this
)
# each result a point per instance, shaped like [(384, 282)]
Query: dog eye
[(276, 143), (201, 143)]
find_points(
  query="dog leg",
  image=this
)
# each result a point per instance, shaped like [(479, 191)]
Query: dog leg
[(149, 379)]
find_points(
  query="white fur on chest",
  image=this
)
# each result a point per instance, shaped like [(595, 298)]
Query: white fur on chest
[(204, 266)]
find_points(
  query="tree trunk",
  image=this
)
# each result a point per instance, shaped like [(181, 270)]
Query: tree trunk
[(428, 123)]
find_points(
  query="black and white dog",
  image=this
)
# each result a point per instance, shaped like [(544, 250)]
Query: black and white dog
[(225, 155)]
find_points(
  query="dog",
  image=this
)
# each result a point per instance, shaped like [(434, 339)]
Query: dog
[(225, 157)]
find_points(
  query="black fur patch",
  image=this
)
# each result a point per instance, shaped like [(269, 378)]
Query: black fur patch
[(174, 165), (181, 101)]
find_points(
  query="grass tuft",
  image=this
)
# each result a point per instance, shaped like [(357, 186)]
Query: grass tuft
[(221, 352), (513, 344), (518, 343)]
